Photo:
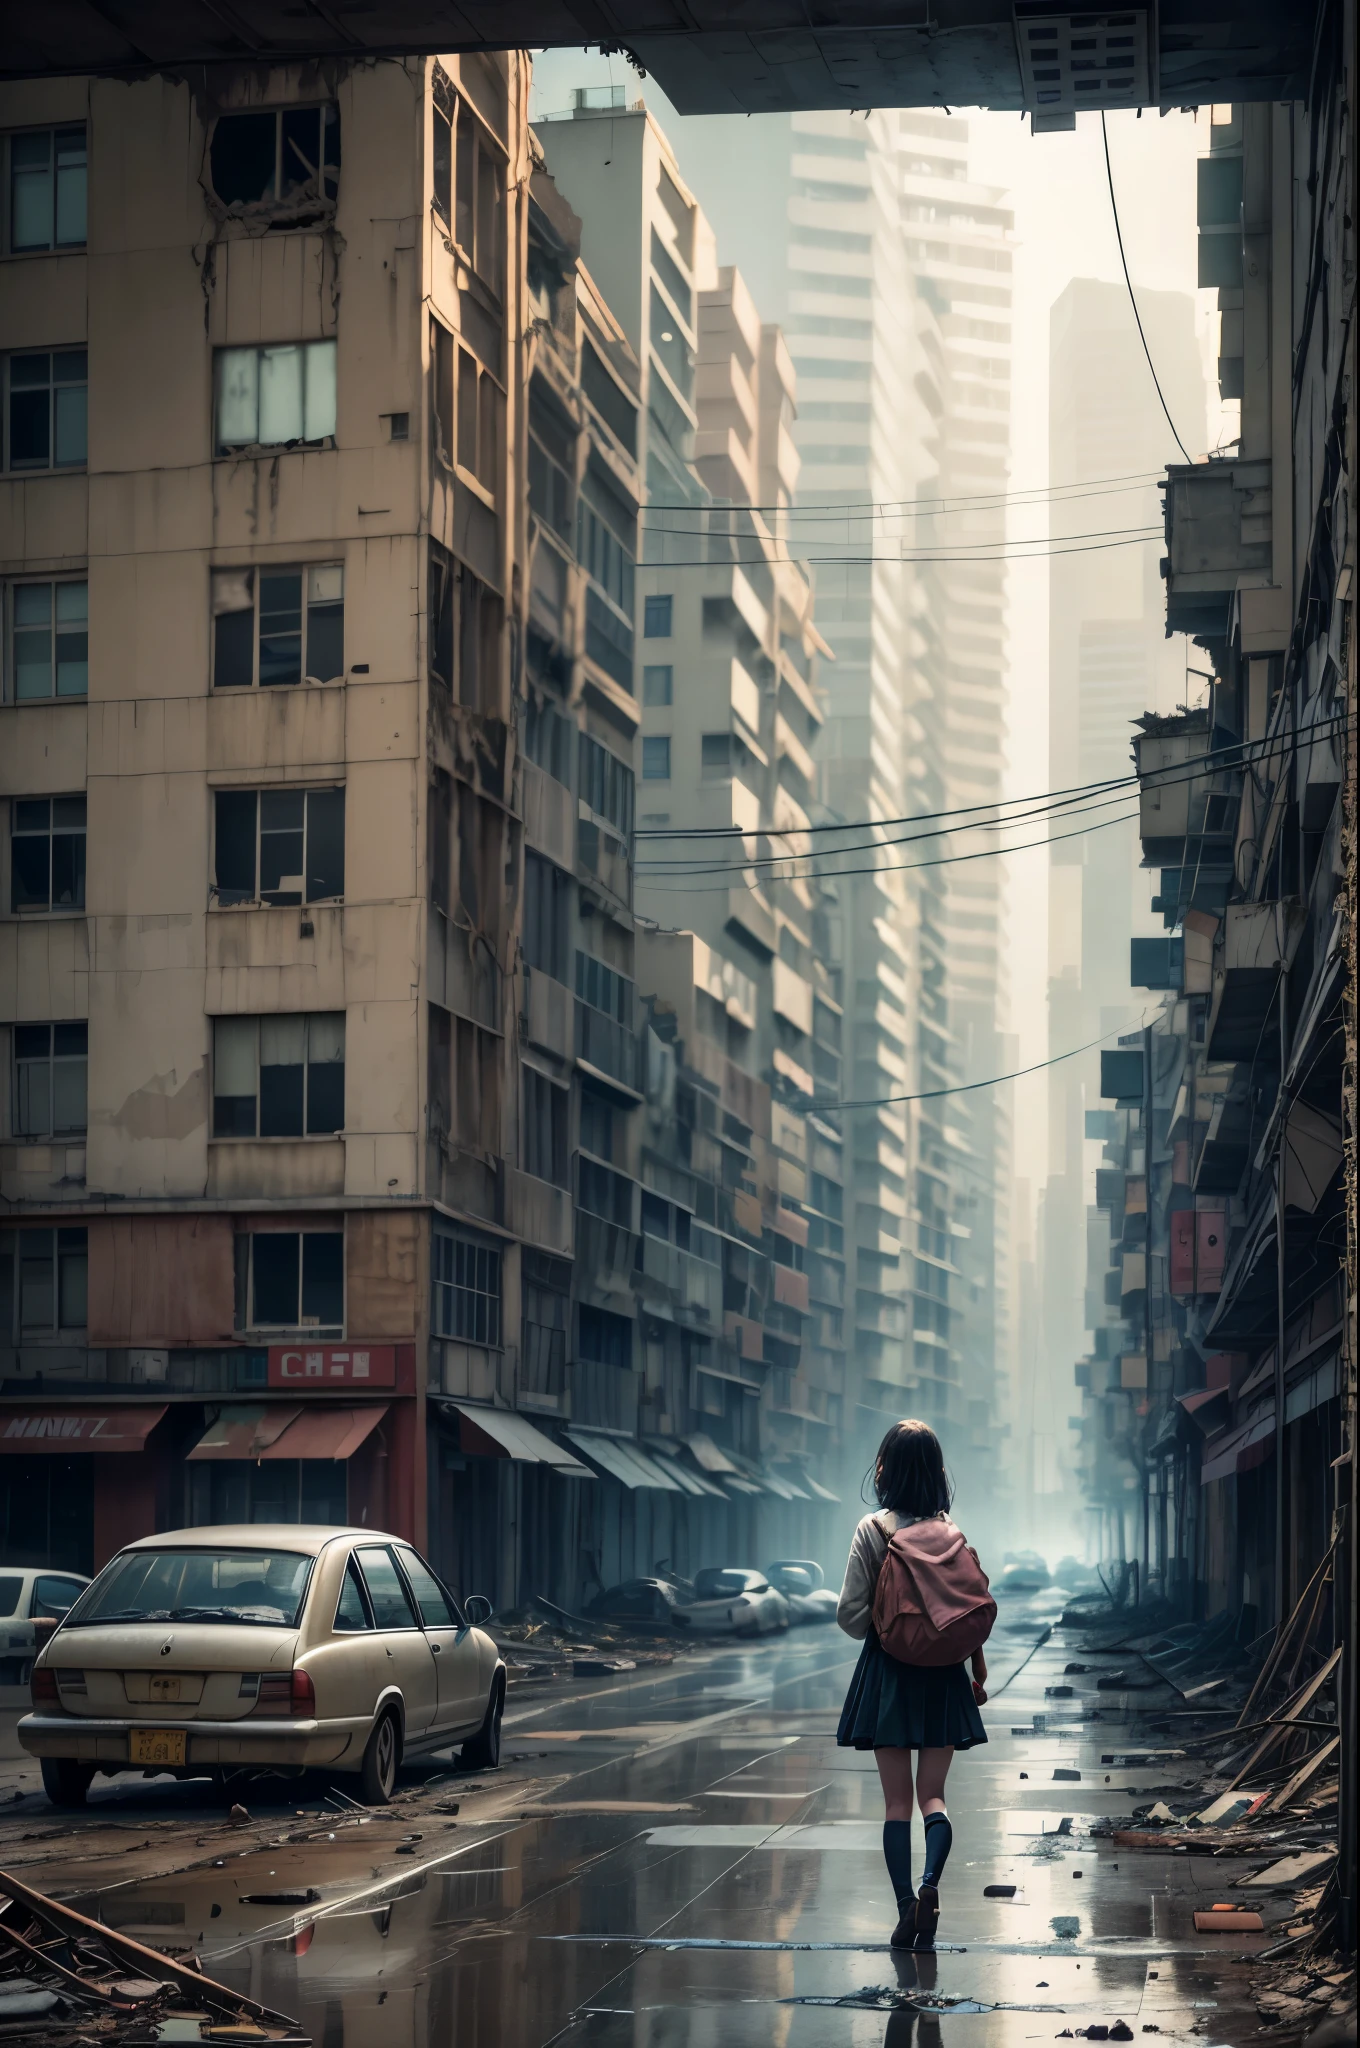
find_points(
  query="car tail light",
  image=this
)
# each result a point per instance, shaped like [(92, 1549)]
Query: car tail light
[(42, 1687), (285, 1692)]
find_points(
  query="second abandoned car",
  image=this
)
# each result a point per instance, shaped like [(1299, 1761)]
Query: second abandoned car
[(215, 1651)]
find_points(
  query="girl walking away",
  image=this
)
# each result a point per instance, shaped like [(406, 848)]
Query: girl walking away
[(917, 1597)]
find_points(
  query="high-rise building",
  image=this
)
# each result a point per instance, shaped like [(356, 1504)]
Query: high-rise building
[(1109, 659)]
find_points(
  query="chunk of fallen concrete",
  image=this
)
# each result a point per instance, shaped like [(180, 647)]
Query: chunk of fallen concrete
[(1296, 1869), (999, 1891), (1065, 1776)]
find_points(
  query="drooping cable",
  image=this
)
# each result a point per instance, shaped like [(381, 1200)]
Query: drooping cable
[(1114, 209)]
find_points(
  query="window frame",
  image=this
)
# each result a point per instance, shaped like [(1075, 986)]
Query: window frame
[(322, 199), (306, 1135), (656, 747), (51, 129), (75, 1133), (51, 467), (76, 833), (76, 1247), (468, 130), (9, 606), (490, 1319), (255, 573), (243, 1265), (540, 1093), (651, 609), (276, 899), (233, 451)]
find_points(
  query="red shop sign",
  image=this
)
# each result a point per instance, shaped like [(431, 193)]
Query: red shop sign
[(314, 1366)]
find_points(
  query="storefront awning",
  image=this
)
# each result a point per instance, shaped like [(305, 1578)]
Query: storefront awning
[(776, 1483), (737, 1484), (707, 1454), (245, 1431), (693, 1483), (326, 1433), (1238, 1450), (61, 1430), (822, 1492), (501, 1433), (625, 1462)]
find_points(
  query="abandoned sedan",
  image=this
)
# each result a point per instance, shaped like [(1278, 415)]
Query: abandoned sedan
[(217, 1651), (732, 1600)]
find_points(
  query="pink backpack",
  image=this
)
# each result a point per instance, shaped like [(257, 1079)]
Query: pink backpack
[(931, 1603)]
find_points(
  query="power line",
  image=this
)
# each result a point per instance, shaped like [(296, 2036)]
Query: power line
[(898, 867), (1057, 813), (1084, 486), (1141, 536), (1114, 209), (961, 1087), (908, 508), (1223, 758)]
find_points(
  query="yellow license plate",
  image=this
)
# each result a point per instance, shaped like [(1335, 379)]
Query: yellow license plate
[(157, 1746)]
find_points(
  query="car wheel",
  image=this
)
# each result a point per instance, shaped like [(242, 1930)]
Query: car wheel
[(382, 1753), (483, 1751), (65, 1781)]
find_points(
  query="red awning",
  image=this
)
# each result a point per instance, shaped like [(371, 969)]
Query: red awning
[(326, 1433), (58, 1431), (246, 1431)]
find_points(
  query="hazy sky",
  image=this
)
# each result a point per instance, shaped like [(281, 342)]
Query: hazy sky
[(1063, 229)]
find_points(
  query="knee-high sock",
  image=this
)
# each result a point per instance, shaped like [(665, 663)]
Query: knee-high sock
[(897, 1856), (939, 1842)]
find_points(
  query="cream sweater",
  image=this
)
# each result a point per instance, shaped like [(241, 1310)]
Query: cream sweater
[(867, 1549)]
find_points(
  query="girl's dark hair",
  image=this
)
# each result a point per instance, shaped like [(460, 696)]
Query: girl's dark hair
[(910, 1478)]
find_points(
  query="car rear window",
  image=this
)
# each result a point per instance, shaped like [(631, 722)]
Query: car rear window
[(263, 1588), (10, 1589), (721, 1585)]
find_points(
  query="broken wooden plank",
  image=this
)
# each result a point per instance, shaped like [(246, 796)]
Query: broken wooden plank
[(1303, 1774)]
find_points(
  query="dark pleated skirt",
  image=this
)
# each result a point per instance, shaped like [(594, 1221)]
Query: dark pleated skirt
[(908, 1706)]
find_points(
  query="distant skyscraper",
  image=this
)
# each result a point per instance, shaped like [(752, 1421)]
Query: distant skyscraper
[(1109, 660)]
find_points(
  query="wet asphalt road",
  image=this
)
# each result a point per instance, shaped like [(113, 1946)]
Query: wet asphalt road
[(709, 1872)]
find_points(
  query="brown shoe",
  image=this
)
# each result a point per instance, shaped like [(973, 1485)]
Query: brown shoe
[(927, 1915), (904, 1934)]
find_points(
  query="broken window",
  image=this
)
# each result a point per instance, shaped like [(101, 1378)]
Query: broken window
[(464, 632), (290, 1280), (276, 154), (51, 1064), (439, 1062), (273, 626), (603, 1338), (480, 421), (465, 1286), (274, 396), (47, 853), (606, 784), (546, 1299), (547, 910), (543, 1150), (48, 641), (441, 840), (441, 369), (46, 408), (47, 189), (547, 739), (476, 1087), (604, 990), (602, 1192), (43, 1276), (279, 846), (279, 1077)]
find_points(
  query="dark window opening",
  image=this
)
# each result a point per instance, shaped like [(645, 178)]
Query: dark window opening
[(47, 853), (277, 155)]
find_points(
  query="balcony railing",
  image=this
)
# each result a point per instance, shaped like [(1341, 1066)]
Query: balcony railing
[(606, 1045)]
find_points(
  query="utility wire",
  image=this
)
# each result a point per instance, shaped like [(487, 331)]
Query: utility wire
[(1140, 538), (897, 867), (962, 1087), (902, 508), (1057, 814), (1223, 758), (1114, 209), (1083, 487)]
